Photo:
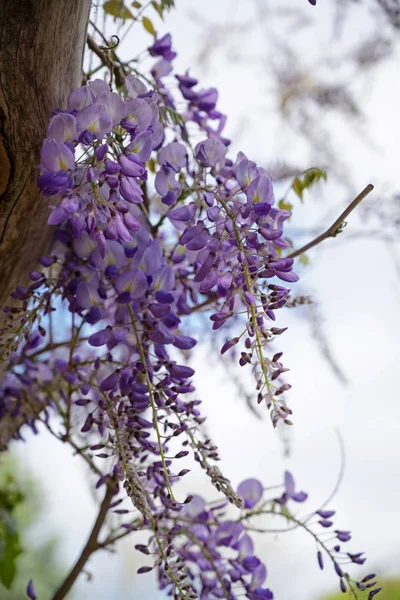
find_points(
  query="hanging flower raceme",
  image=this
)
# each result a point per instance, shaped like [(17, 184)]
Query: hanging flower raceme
[(153, 226)]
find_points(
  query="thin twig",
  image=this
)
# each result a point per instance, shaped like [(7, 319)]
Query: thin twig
[(90, 547), (333, 230)]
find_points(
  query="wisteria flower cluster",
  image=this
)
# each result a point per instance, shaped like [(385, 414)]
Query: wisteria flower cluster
[(154, 222)]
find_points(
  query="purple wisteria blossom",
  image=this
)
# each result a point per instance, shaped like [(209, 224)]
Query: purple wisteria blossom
[(152, 226)]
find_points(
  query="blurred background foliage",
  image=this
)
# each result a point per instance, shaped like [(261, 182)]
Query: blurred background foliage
[(24, 551)]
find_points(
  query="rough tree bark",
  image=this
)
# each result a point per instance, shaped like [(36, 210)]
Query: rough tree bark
[(41, 52)]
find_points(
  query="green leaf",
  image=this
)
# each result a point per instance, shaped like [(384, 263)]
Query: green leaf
[(159, 9), (11, 549), (298, 188), (169, 116), (307, 180), (117, 9), (283, 205), (148, 25), (167, 4), (303, 258), (136, 4)]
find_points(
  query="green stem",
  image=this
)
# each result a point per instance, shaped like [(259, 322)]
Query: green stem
[(152, 401)]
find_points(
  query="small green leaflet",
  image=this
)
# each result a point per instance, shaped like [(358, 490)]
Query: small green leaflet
[(158, 8), (170, 116), (307, 180), (117, 9), (148, 25)]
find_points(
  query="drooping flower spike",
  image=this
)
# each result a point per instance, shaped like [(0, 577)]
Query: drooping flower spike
[(154, 224)]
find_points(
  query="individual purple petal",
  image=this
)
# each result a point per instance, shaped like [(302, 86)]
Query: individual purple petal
[(134, 282), (161, 46), (229, 344), (245, 546), (343, 536), (109, 383), (96, 119), (62, 128), (290, 277), (210, 152), (184, 342), (173, 155), (251, 490), (130, 168), (86, 295), (131, 190), (161, 68), (260, 593), (141, 146), (100, 338), (259, 575), (139, 115), (79, 98), (325, 514), (209, 280), (84, 245), (165, 181), (228, 533), (183, 213), (30, 590), (246, 171), (115, 106), (260, 190), (181, 371), (98, 87), (289, 483), (56, 157)]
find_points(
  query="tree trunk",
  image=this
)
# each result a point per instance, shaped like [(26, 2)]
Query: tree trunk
[(41, 52)]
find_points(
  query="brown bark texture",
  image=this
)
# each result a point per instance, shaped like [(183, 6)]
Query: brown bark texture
[(41, 53), (41, 50)]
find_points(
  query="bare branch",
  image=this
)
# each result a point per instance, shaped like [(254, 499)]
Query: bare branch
[(90, 547), (334, 229)]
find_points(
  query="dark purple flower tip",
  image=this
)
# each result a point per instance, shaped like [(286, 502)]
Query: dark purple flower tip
[(357, 558), (250, 563), (325, 514), (99, 338), (313, 2), (251, 490), (144, 570), (30, 590), (164, 297), (343, 586), (368, 577), (109, 383), (229, 344), (320, 559), (338, 570), (184, 213), (373, 593), (343, 536), (181, 371), (325, 523), (184, 342), (260, 593)]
